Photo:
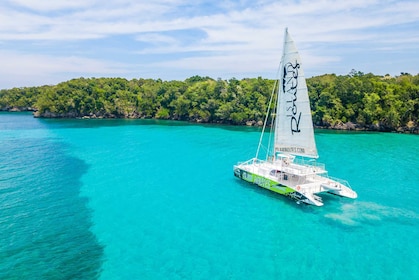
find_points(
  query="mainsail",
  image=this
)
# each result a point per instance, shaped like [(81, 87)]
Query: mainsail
[(294, 132)]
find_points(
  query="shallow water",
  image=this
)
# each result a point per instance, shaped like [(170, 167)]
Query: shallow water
[(142, 199)]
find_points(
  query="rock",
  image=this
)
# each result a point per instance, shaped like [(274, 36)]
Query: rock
[(350, 126)]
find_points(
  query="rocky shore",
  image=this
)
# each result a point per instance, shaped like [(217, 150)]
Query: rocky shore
[(409, 128), (17, 109)]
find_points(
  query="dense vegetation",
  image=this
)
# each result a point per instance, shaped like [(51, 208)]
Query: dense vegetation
[(357, 100)]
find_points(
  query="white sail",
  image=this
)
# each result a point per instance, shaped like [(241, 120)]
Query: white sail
[(294, 132)]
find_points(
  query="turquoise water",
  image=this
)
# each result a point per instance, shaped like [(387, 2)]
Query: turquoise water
[(142, 199)]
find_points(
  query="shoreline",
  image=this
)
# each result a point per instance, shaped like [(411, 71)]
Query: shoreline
[(349, 126)]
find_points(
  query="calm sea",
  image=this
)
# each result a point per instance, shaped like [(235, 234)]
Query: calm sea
[(143, 199)]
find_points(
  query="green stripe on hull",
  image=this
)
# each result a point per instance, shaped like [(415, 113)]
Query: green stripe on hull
[(264, 182)]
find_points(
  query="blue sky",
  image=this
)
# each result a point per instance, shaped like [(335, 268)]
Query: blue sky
[(47, 42)]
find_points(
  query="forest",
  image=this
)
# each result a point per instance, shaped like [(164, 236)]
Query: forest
[(354, 101)]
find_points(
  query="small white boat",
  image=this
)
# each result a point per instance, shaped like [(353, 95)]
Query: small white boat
[(290, 166)]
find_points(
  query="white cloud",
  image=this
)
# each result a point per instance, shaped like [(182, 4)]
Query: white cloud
[(129, 17), (46, 6), (156, 38), (28, 68), (326, 31)]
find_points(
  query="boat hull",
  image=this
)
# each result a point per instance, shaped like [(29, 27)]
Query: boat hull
[(262, 181), (273, 186)]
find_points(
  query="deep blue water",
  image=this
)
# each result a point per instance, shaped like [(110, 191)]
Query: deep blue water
[(143, 199)]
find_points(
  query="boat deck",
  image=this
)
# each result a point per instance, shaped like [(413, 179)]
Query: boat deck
[(306, 179)]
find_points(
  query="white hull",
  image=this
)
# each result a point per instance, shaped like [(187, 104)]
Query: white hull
[(298, 180)]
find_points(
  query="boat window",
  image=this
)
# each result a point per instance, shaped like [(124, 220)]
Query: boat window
[(275, 172)]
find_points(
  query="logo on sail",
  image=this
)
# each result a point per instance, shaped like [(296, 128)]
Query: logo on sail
[(289, 87), (293, 150)]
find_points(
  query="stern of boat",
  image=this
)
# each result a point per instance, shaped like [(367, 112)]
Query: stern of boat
[(338, 187)]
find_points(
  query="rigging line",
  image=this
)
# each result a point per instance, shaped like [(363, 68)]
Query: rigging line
[(272, 130), (268, 109), (269, 150)]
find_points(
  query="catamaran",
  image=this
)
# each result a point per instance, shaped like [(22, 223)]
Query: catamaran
[(289, 167)]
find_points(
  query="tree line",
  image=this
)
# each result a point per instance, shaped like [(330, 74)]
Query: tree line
[(356, 100)]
